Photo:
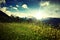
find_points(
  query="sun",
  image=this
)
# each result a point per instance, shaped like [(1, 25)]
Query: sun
[(40, 15)]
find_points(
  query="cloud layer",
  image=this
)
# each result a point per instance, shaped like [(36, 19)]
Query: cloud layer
[(46, 9), (24, 6)]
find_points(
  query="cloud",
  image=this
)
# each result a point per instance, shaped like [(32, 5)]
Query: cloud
[(9, 13), (50, 9), (3, 9), (24, 6), (2, 1), (20, 14), (17, 5), (43, 4), (10, 6), (15, 8)]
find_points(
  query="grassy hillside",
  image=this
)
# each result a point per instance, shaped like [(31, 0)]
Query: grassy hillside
[(28, 31)]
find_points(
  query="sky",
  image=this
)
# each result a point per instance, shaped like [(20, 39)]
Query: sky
[(31, 8)]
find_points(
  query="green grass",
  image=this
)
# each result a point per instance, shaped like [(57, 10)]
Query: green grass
[(28, 31)]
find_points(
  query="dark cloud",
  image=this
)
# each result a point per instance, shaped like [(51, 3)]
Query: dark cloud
[(54, 1)]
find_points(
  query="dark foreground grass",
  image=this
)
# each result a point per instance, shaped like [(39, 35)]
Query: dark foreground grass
[(28, 31)]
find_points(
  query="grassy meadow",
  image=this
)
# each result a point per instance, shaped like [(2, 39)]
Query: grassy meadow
[(28, 31)]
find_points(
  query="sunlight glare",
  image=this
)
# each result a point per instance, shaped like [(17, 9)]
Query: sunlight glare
[(40, 15)]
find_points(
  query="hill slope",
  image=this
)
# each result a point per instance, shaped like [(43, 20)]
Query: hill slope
[(4, 17)]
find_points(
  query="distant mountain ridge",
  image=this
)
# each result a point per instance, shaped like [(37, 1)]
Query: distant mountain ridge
[(52, 21)]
